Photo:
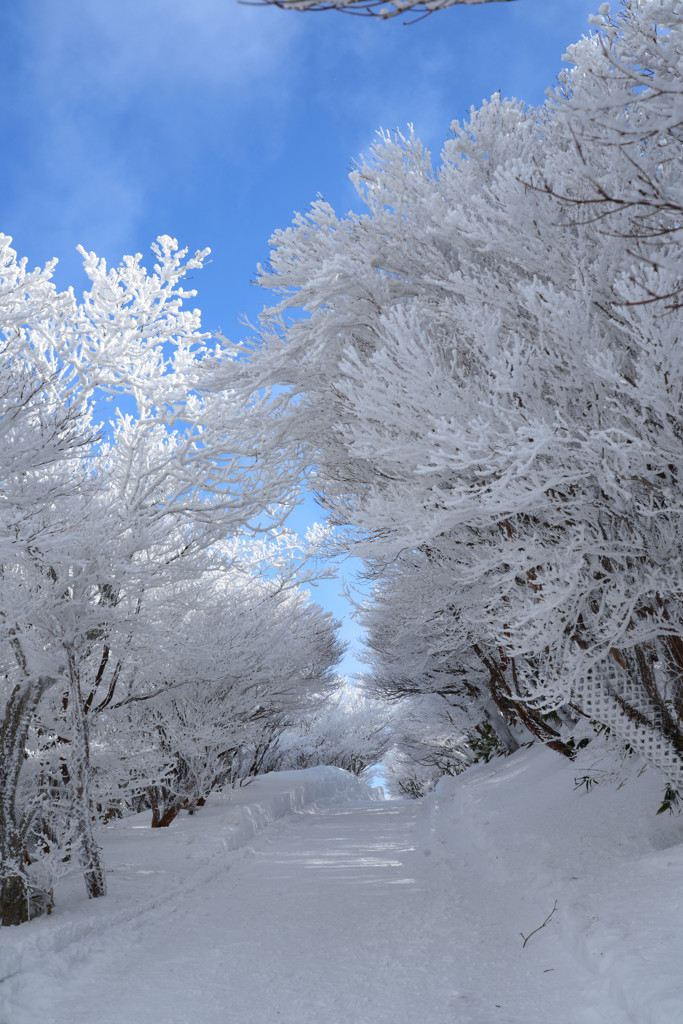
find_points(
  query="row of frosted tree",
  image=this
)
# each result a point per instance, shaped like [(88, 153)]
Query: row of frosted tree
[(488, 382), (479, 375), (154, 640)]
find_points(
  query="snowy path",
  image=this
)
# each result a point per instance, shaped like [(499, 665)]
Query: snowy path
[(371, 913), (328, 917), (324, 918)]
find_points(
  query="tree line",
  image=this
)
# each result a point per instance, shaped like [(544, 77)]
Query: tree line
[(488, 380), (154, 638)]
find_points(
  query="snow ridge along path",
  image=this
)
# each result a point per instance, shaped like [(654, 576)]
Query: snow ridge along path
[(348, 910)]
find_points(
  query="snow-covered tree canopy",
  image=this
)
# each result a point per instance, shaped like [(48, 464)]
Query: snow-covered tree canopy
[(133, 567), (488, 376)]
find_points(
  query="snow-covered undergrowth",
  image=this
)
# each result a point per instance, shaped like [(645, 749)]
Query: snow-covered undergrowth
[(148, 868)]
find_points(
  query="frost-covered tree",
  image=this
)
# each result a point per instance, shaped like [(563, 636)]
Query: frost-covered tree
[(102, 532), (427, 743), (252, 655), (47, 437), (479, 381), (628, 107), (347, 729), (416, 645)]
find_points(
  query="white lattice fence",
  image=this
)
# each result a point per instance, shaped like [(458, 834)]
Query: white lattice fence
[(597, 696)]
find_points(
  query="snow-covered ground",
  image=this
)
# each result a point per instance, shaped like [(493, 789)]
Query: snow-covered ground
[(302, 900)]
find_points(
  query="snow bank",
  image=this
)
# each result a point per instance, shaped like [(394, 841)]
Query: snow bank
[(241, 813), (147, 867), (530, 833)]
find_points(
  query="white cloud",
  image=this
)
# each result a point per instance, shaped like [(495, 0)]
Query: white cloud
[(164, 46), (110, 101)]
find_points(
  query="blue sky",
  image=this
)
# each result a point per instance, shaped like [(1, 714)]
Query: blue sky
[(215, 122)]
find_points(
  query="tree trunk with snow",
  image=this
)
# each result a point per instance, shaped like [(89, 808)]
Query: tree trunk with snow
[(93, 872), (20, 900)]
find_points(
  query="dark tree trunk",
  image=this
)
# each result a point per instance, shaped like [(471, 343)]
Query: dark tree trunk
[(21, 902)]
